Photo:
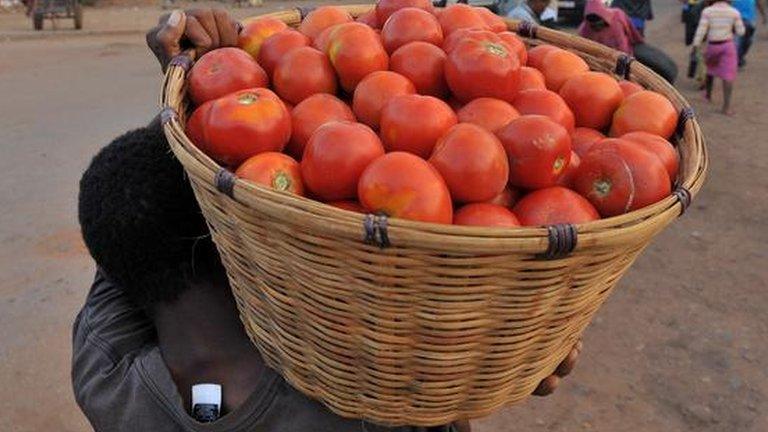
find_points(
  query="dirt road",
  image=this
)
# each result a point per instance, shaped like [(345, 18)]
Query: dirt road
[(680, 346)]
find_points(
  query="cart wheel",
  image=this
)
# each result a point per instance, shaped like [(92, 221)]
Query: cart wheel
[(37, 20), (78, 16)]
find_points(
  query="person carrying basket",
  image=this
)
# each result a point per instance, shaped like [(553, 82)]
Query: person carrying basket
[(160, 317)]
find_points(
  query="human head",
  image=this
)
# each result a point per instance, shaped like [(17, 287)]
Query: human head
[(538, 6), (141, 222)]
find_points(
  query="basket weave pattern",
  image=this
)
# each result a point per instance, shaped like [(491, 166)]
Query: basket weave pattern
[(446, 323)]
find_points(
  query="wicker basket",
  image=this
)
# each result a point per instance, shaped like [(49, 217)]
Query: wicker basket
[(407, 323)]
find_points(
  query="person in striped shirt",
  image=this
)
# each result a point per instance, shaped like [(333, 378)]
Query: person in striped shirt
[(719, 22)]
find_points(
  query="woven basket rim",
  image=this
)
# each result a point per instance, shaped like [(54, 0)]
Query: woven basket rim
[(603, 233)]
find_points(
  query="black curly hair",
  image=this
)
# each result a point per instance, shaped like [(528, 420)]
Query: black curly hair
[(140, 220)]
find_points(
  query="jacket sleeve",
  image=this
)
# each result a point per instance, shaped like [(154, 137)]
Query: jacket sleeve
[(109, 334)]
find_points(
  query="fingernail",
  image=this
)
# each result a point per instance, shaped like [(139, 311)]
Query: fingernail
[(175, 18)]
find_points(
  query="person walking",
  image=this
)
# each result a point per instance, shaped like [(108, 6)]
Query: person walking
[(747, 9), (719, 23)]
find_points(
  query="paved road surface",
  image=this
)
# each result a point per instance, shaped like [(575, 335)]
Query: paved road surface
[(680, 346)]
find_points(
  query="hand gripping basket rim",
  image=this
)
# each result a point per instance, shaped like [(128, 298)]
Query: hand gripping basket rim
[(489, 311)]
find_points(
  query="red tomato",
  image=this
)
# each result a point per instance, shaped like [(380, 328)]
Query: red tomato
[(323, 39), (414, 123), (593, 97), (531, 79), (472, 162), (349, 205), (196, 125), (629, 88), (374, 91), (240, 125), (645, 111), (255, 31), (423, 64), (547, 103), (335, 156), (482, 65), (303, 72), (582, 139), (560, 65), (322, 18), (355, 51), (494, 22), (274, 170), (484, 214), (370, 19), (489, 113), (385, 8), (312, 113), (536, 54), (660, 147), (516, 44), (458, 16), (410, 25), (538, 150), (223, 71), (279, 44), (569, 174), (554, 205), (618, 176), (450, 41), (403, 185), (507, 198)]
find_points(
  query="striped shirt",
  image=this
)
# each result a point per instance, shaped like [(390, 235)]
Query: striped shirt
[(718, 23)]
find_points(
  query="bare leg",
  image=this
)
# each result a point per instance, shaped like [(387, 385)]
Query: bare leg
[(708, 84), (727, 92)]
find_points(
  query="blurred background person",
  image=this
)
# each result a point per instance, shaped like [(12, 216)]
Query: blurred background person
[(719, 24), (612, 27), (748, 9), (535, 11)]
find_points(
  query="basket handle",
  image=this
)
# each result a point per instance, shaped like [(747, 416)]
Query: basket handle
[(183, 60)]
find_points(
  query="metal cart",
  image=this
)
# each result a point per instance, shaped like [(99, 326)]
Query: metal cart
[(56, 9)]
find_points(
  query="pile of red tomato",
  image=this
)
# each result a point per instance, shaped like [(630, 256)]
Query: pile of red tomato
[(435, 115)]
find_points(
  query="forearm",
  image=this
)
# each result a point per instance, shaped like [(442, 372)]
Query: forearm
[(701, 31)]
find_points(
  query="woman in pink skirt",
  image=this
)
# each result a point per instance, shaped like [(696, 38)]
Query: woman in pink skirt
[(719, 22)]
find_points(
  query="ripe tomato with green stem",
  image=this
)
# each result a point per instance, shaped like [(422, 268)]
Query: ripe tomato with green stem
[(482, 65), (240, 125), (275, 170), (223, 71), (617, 176), (538, 149)]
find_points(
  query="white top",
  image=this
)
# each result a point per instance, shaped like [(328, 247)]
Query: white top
[(718, 23)]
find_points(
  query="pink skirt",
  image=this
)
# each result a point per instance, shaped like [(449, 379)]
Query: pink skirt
[(721, 60)]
